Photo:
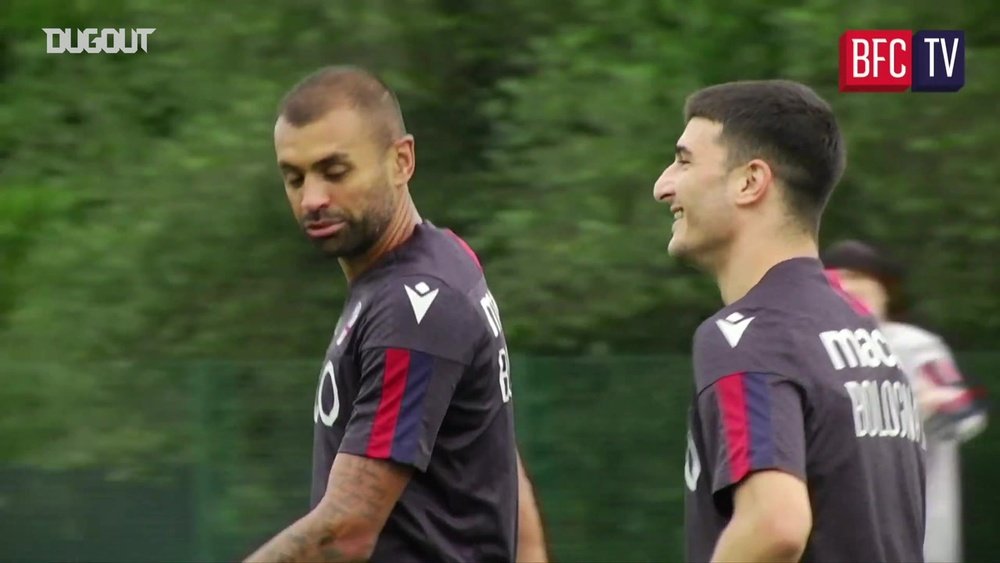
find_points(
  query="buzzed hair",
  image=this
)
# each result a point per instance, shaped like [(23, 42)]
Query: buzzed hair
[(336, 87), (786, 124)]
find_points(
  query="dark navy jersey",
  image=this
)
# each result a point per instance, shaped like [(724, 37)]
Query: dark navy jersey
[(417, 372), (795, 377)]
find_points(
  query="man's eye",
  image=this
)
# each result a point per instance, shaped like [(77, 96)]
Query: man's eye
[(335, 173), (293, 180)]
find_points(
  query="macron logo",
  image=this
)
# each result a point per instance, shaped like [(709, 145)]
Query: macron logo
[(421, 298), (732, 327)]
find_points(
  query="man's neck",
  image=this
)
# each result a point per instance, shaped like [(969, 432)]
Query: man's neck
[(750, 258), (400, 229)]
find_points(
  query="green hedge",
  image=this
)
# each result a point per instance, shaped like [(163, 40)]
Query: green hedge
[(210, 471)]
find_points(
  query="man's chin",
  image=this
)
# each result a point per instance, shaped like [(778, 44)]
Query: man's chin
[(683, 253), (331, 246), (341, 249), (675, 248)]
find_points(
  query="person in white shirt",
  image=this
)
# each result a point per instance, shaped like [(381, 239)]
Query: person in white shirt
[(953, 409)]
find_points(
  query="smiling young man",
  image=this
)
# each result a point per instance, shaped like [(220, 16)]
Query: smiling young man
[(803, 441), (414, 456)]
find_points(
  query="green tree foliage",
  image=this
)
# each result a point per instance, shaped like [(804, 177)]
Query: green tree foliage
[(140, 198)]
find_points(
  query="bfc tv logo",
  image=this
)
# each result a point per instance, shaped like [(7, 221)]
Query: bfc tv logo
[(897, 60)]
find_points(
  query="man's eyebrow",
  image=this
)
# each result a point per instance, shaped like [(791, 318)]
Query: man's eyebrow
[(325, 162), (331, 159), (681, 150)]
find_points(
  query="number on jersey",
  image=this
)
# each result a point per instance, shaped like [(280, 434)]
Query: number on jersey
[(505, 389)]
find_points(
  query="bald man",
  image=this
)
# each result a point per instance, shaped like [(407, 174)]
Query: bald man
[(414, 454)]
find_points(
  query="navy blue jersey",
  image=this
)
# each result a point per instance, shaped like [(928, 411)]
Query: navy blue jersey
[(418, 373), (793, 377)]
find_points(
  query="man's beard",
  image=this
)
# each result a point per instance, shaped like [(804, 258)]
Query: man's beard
[(356, 238), (359, 234)]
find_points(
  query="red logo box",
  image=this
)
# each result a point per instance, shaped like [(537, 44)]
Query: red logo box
[(876, 60)]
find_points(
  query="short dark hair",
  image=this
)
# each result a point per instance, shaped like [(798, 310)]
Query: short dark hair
[(336, 87), (788, 125)]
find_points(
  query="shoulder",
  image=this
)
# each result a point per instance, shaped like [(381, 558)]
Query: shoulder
[(913, 344), (742, 339), (442, 253), (907, 334), (420, 312)]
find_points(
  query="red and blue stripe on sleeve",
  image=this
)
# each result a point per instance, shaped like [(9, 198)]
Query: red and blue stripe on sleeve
[(748, 433), (398, 424)]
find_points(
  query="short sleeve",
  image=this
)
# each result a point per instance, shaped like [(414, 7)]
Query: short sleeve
[(916, 347), (953, 406), (753, 340), (414, 345), (402, 401), (752, 421), (424, 314)]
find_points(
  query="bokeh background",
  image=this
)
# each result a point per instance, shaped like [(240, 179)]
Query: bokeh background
[(162, 320)]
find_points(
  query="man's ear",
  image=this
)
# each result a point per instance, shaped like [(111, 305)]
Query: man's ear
[(404, 160), (756, 178)]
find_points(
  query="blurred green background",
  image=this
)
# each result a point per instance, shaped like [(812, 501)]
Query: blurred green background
[(162, 320)]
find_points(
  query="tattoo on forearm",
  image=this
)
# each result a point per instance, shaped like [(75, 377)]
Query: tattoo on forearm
[(298, 545), (364, 496), (306, 540), (329, 550), (359, 490)]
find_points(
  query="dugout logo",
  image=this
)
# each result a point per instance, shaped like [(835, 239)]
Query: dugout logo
[(93, 40), (900, 60)]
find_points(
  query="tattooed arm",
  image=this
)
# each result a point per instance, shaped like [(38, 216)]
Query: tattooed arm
[(345, 524)]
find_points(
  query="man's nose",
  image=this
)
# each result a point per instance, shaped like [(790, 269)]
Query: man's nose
[(315, 196), (663, 189)]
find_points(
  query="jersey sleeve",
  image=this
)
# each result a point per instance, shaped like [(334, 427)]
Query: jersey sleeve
[(752, 421), (414, 347), (750, 341), (952, 404), (403, 397), (751, 395)]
